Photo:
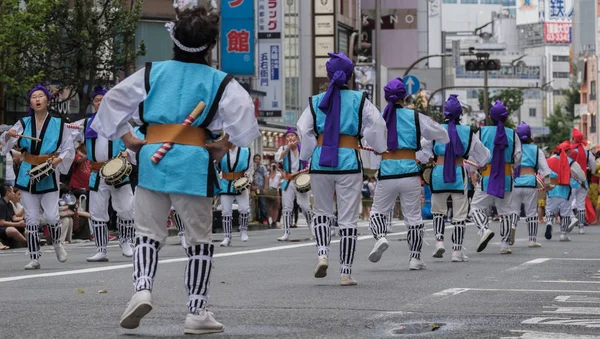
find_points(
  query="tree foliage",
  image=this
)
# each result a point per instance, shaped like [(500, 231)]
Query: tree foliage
[(559, 124)]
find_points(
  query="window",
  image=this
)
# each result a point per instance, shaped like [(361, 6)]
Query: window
[(509, 3), (557, 92), (450, 1), (491, 2), (584, 99), (532, 112), (472, 93), (562, 75), (593, 124), (469, 1), (560, 58), (593, 90)]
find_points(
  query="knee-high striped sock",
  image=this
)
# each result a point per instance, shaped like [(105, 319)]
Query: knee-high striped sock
[(126, 230), (322, 234), (55, 232), (227, 220), (415, 240), (438, 226), (458, 235), (101, 235), (287, 221), (532, 223), (197, 275), (33, 241), (564, 224), (178, 224), (480, 218), (347, 249), (549, 217), (514, 220), (505, 227), (581, 218), (308, 217), (145, 262), (244, 222), (378, 225)]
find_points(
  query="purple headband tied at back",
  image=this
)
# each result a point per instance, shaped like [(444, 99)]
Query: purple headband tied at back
[(452, 111), (496, 184), (89, 132), (394, 91)]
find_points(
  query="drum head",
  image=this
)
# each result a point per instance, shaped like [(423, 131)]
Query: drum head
[(241, 181), (427, 176), (302, 179), (112, 167)]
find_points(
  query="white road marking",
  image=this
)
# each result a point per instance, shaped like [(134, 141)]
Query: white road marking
[(574, 310), (548, 335), (527, 264), (453, 291), (589, 323), (450, 292), (577, 299), (569, 281)]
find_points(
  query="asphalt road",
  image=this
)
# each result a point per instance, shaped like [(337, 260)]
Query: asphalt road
[(266, 289)]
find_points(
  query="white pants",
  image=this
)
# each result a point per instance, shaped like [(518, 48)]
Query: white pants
[(243, 201), (556, 205), (290, 193), (460, 204), (67, 229), (481, 201), (47, 201), (152, 209), (122, 202), (578, 195), (409, 190), (347, 188), (527, 195)]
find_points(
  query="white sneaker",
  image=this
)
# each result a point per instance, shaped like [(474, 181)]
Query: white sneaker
[(416, 264), (347, 280), (202, 323), (534, 244), (137, 308), (581, 231), (270, 221), (574, 222), (226, 242), (33, 265), (459, 256), (126, 249), (505, 248), (61, 254), (244, 236), (380, 246), (98, 257), (439, 249), (322, 265), (485, 238), (564, 237), (285, 237)]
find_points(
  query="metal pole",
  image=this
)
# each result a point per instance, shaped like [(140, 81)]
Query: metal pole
[(378, 84), (486, 108), (443, 66), (421, 59)]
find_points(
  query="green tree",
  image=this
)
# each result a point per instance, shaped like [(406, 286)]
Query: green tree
[(559, 124), (572, 95), (24, 31), (512, 98)]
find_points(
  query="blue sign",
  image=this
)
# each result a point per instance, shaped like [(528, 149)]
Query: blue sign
[(412, 84), (237, 37)]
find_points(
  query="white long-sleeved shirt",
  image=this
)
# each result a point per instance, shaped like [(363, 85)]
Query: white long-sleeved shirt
[(542, 164), (294, 154), (101, 149), (478, 153), (235, 112), (374, 131)]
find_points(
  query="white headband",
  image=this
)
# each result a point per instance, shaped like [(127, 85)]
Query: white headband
[(171, 28)]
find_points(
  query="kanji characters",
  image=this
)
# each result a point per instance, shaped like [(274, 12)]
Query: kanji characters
[(238, 41)]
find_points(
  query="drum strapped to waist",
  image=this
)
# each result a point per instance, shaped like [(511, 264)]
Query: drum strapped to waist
[(488, 170), (241, 183), (302, 183), (177, 134), (115, 171), (232, 175), (37, 159), (96, 166), (345, 141), (400, 154), (527, 170), (457, 161)]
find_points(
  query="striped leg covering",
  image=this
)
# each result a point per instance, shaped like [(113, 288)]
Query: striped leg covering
[(347, 249), (178, 224), (322, 234), (514, 220), (378, 225), (244, 221), (564, 224), (532, 224), (581, 218), (458, 235), (505, 227), (145, 262), (481, 219), (197, 275), (287, 221), (414, 239), (55, 232), (549, 217), (227, 221), (126, 230), (308, 217), (33, 241), (101, 235), (438, 226)]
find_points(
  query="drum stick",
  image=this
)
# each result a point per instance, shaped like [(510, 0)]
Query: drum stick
[(30, 138), (471, 163), (73, 126), (366, 148), (158, 155)]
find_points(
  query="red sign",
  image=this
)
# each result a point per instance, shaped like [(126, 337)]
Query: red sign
[(557, 32), (235, 3)]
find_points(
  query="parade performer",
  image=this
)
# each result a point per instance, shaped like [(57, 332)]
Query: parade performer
[(587, 162), (330, 129), (495, 184), (399, 173), (56, 147), (234, 165), (99, 151), (289, 157), (449, 177), (564, 171), (165, 93), (533, 162)]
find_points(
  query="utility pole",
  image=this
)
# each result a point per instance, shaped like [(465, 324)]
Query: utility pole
[(486, 104), (378, 83)]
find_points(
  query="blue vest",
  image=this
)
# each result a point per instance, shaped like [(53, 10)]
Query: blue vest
[(574, 183), (287, 167), (487, 138), (173, 90), (529, 158), (242, 162), (559, 191), (352, 103), (437, 175), (114, 148), (51, 135), (409, 137)]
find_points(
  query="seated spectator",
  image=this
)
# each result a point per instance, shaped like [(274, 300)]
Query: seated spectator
[(11, 232), (18, 209)]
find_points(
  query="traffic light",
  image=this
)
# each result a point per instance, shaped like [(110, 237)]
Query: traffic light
[(482, 65)]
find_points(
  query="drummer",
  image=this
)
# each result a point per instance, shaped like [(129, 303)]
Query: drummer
[(100, 150), (234, 167), (56, 147), (289, 155)]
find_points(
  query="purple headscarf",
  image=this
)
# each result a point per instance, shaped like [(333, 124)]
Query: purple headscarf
[(496, 184), (394, 91), (524, 133), (38, 87), (452, 111), (89, 132), (339, 71)]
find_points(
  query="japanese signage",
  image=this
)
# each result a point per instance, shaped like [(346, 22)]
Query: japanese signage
[(364, 80), (237, 37), (324, 6), (324, 40), (558, 10), (528, 12), (269, 19), (557, 32), (506, 72), (270, 76)]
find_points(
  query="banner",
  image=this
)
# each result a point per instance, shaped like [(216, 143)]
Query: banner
[(237, 37), (269, 19), (557, 32), (270, 78), (528, 12)]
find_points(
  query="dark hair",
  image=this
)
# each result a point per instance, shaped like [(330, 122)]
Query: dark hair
[(257, 155), (195, 28), (528, 140), (4, 190)]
